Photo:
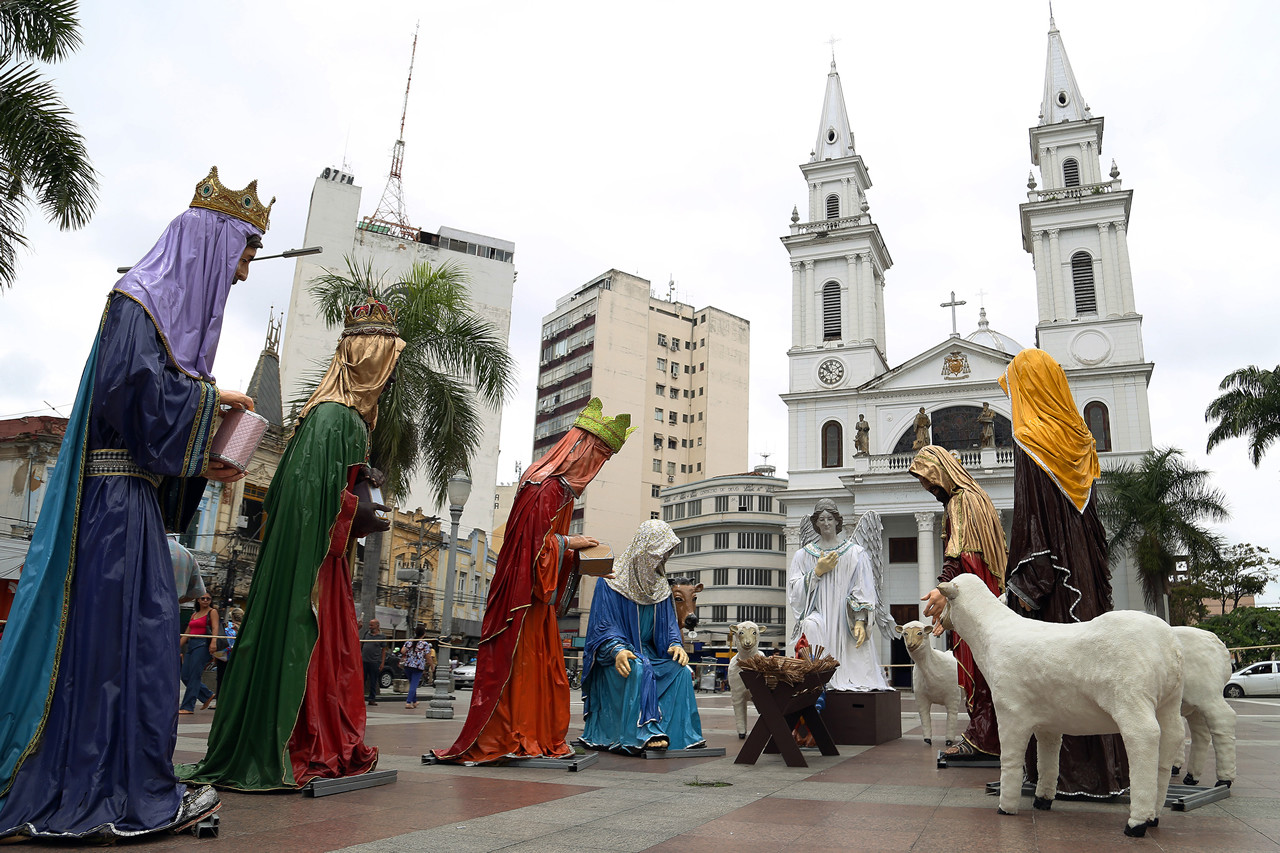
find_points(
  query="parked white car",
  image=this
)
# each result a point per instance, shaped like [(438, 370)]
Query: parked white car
[(1258, 679), (465, 675)]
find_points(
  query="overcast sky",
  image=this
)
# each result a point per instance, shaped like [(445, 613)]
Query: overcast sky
[(663, 139)]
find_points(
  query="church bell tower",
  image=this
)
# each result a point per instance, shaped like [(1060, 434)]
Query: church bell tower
[(838, 262), (1074, 225)]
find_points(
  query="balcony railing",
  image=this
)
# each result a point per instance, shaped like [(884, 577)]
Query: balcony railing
[(1082, 191), (895, 462)]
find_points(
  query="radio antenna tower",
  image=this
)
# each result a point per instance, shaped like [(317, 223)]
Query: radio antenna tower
[(390, 216)]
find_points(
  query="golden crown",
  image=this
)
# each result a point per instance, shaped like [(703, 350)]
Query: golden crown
[(371, 318), (242, 204), (612, 431)]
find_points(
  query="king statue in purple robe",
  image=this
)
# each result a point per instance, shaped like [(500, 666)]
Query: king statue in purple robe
[(88, 665)]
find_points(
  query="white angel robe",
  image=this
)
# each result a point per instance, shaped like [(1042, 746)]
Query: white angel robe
[(819, 604)]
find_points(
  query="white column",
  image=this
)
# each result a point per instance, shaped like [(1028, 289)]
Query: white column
[(814, 203), (878, 283), (853, 317), (1044, 278), (1062, 308), (866, 298), (1106, 285), (1126, 276), (846, 203), (925, 556), (813, 305), (1053, 179), (798, 315)]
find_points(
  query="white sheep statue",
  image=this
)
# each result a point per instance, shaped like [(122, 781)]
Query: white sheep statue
[(935, 680), (747, 637), (1206, 668), (1120, 672)]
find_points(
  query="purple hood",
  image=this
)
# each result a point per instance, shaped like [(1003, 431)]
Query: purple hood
[(184, 281)]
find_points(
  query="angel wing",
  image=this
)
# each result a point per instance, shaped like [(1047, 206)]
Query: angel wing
[(869, 534), (807, 534)]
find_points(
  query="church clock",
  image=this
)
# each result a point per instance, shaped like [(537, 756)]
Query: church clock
[(831, 371)]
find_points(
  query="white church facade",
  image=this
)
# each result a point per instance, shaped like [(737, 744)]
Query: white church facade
[(1074, 226)]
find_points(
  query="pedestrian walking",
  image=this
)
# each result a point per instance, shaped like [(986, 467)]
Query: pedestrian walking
[(198, 646), (373, 653), (413, 658)]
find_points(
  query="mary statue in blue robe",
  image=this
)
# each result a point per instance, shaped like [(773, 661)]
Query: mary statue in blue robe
[(637, 692), (89, 659)]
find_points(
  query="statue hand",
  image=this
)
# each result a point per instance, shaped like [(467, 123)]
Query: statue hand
[(826, 563), (622, 662), (223, 472), (578, 542), (678, 654), (367, 520), (859, 634), (235, 399), (937, 601)]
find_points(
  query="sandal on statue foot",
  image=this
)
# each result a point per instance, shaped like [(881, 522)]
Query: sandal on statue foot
[(657, 743), (965, 751)]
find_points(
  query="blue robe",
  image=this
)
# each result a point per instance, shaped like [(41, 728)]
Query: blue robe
[(89, 659), (656, 699)]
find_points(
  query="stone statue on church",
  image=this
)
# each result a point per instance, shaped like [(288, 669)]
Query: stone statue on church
[(987, 422), (922, 430), (861, 437)]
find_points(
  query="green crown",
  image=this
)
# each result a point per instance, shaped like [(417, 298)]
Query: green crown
[(612, 431)]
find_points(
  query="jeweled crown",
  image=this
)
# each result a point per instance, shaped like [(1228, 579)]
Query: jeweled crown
[(612, 431), (242, 204), (370, 318)]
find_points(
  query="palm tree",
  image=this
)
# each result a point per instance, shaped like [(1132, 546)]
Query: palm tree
[(452, 360), (1156, 509), (1249, 406), (42, 155)]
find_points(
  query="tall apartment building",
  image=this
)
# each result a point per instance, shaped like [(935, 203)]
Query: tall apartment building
[(682, 375), (333, 223), (733, 542)]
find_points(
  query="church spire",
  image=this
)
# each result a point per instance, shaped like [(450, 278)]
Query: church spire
[(835, 137), (1062, 100)]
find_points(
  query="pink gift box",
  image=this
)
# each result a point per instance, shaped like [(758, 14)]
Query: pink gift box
[(238, 437)]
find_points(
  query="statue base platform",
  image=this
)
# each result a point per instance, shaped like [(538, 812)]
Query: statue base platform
[(863, 719), (1180, 798), (702, 752), (327, 787), (572, 763)]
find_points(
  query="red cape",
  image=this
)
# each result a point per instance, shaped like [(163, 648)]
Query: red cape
[(520, 702)]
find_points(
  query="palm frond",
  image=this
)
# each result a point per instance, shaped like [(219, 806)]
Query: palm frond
[(1249, 406), (430, 419), (46, 30)]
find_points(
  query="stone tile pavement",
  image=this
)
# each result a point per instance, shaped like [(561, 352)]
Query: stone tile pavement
[(885, 798)]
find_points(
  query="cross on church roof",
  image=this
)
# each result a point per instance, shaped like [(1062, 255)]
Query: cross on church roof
[(953, 304)]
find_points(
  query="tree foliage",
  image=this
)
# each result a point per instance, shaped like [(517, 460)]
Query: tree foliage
[(42, 154), (1247, 626), (1186, 602), (1238, 571), (1157, 509), (1248, 406), (453, 361)]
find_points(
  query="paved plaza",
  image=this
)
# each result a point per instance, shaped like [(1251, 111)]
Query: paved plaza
[(885, 798)]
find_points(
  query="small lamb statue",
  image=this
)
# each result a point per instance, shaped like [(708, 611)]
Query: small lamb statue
[(935, 680), (747, 635)]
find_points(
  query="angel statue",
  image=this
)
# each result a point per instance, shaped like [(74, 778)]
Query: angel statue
[(834, 590)]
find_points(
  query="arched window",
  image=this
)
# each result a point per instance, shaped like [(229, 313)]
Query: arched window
[(1082, 280), (833, 206), (831, 311), (832, 445), (1070, 172), (1099, 423)]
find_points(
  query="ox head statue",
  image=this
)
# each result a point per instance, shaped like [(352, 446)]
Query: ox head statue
[(684, 595)]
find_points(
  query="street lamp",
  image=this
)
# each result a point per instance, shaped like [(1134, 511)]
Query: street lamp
[(459, 489)]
